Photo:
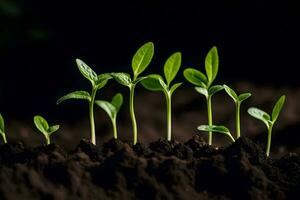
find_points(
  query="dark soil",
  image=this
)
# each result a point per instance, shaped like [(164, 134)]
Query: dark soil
[(164, 170)]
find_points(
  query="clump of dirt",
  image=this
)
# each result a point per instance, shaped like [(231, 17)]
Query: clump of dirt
[(163, 170)]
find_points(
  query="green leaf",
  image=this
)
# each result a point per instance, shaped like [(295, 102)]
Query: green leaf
[(174, 87), (163, 84), (152, 82), (195, 77), (217, 129), (139, 79), (202, 90), (277, 108), (260, 115), (244, 96), (122, 78), (108, 108), (117, 101), (101, 84), (102, 80), (212, 64), (231, 93), (214, 89), (2, 126), (142, 58), (53, 129), (86, 71), (41, 124), (75, 95), (172, 66)]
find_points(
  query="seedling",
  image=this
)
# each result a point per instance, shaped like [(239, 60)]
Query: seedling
[(2, 129), (112, 108), (98, 82), (140, 62), (155, 82), (204, 82), (43, 126), (267, 119), (238, 99), (217, 129)]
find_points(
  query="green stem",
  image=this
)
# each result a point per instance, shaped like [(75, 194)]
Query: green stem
[(269, 140), (132, 115), (237, 120), (209, 116), (169, 115), (4, 138), (48, 140), (91, 112), (115, 128)]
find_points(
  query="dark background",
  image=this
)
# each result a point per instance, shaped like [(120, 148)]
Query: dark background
[(258, 41)]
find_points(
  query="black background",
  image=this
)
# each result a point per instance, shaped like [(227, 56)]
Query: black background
[(258, 41)]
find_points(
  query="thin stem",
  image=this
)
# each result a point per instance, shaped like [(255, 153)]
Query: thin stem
[(269, 140), (48, 139), (209, 116), (92, 121), (132, 115), (4, 138), (115, 128), (237, 119), (169, 115)]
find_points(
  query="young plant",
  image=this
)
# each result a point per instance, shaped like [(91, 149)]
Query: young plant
[(238, 99), (204, 82), (2, 129), (217, 129), (140, 62), (155, 82), (98, 82), (267, 119), (112, 108), (43, 126)]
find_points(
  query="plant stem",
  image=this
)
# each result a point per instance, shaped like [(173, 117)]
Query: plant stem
[(91, 112), (132, 115), (48, 139), (237, 120), (169, 115), (4, 138), (269, 139), (209, 116), (115, 128)]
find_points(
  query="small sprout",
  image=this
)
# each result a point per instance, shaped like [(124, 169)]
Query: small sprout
[(98, 82), (112, 108), (2, 129), (267, 119), (204, 82), (217, 129), (238, 99), (42, 125), (140, 62), (155, 82)]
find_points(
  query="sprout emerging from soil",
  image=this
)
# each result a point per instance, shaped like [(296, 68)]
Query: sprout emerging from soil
[(2, 129), (155, 82), (267, 119), (112, 108), (204, 82), (140, 62), (98, 82), (238, 99), (217, 129), (43, 126)]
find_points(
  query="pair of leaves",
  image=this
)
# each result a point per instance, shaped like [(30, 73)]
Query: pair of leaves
[(111, 108), (211, 68), (209, 92), (217, 129), (43, 126), (236, 98), (265, 117), (2, 126)]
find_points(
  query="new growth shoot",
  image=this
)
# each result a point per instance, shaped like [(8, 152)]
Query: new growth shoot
[(43, 126), (140, 62), (238, 99), (204, 82), (2, 129), (217, 129), (98, 82), (112, 108), (155, 82), (267, 119)]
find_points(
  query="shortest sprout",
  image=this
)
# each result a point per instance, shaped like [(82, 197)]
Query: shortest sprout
[(2, 129), (42, 125), (217, 129)]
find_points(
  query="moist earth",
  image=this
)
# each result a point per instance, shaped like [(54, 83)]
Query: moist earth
[(163, 170)]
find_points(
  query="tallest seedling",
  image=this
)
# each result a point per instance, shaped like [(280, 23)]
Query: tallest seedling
[(140, 62), (204, 82)]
